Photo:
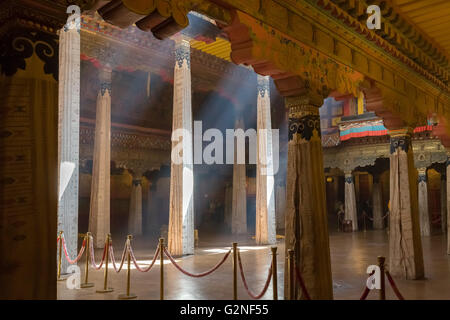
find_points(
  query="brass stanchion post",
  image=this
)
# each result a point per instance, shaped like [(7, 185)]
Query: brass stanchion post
[(161, 265), (128, 295), (291, 274), (105, 278), (87, 284), (381, 261), (60, 257), (274, 273), (235, 270)]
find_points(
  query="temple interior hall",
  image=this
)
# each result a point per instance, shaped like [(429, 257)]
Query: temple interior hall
[(224, 149)]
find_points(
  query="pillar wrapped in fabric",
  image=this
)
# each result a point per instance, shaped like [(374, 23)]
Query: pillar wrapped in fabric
[(265, 193), (306, 214), (424, 214), (280, 206), (448, 200), (405, 246), (135, 211), (99, 215), (181, 217), (351, 212), (29, 162), (377, 203), (239, 207), (228, 204), (69, 137), (443, 202)]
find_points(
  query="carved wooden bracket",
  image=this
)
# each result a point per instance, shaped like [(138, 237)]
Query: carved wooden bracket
[(294, 66)]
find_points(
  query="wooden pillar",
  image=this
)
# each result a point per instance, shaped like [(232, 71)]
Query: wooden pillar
[(99, 215), (448, 200), (306, 214), (28, 161), (444, 203), (351, 213), (405, 246), (280, 206), (265, 195), (377, 199), (181, 217), (424, 214)]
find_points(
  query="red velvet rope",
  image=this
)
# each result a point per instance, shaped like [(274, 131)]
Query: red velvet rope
[(135, 262), (78, 257), (113, 260), (366, 289), (365, 293), (394, 286), (94, 265), (266, 285), (302, 283), (196, 275)]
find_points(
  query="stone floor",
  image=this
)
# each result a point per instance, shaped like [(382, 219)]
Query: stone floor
[(351, 253)]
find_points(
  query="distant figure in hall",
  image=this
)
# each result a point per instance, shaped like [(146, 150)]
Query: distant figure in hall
[(340, 215)]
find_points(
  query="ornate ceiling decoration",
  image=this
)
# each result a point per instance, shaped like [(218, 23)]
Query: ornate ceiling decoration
[(348, 157)]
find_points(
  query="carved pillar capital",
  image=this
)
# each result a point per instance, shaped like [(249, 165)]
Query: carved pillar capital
[(263, 85), (105, 76), (304, 118), (349, 177), (422, 177), (400, 139), (182, 53), (307, 101), (137, 182)]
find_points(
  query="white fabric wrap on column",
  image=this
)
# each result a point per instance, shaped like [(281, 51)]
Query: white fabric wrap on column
[(265, 195), (181, 217), (135, 211), (228, 205), (423, 202), (69, 137), (99, 216), (239, 207), (350, 201), (280, 206)]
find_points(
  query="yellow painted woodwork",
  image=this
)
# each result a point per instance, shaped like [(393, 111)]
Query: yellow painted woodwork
[(220, 48)]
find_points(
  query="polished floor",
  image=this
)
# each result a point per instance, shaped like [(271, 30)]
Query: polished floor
[(351, 254)]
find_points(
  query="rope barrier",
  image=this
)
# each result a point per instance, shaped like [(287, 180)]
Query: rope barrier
[(133, 258), (394, 286), (80, 254), (196, 275), (301, 282), (113, 260), (266, 285), (108, 249), (366, 289), (94, 265)]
